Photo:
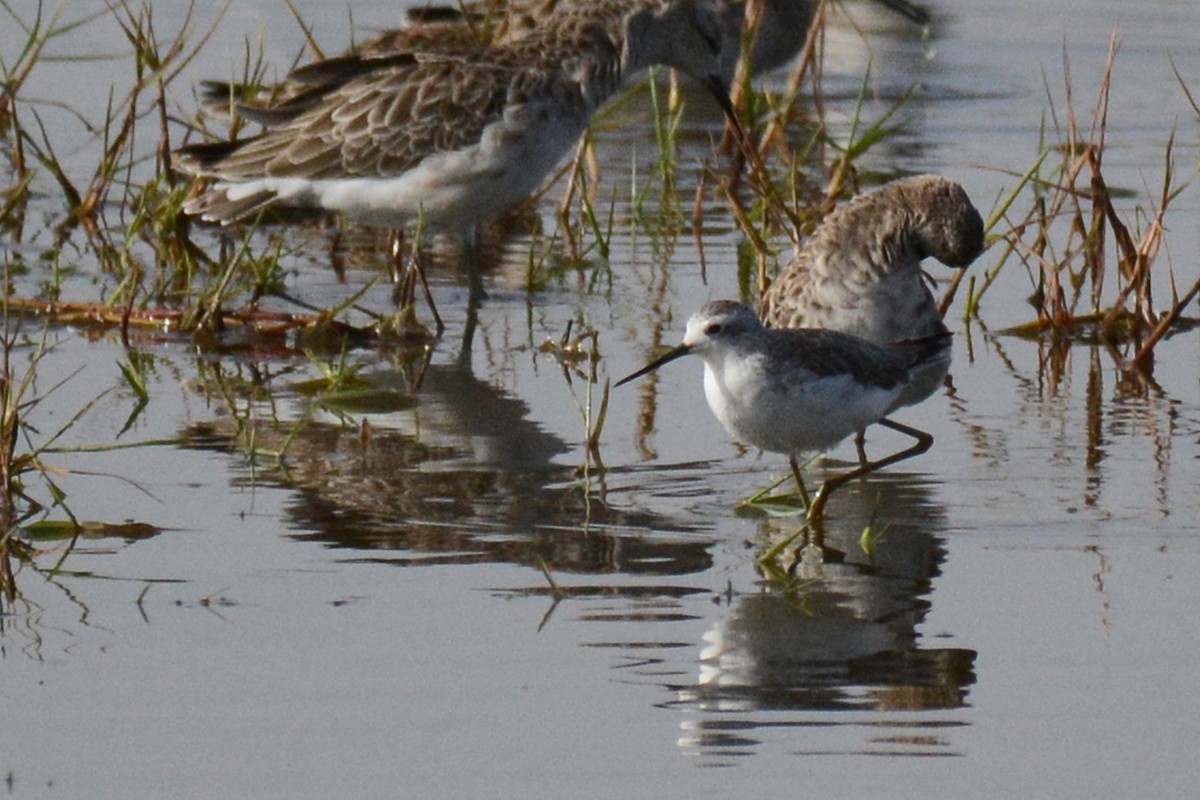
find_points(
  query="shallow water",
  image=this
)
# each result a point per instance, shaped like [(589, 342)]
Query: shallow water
[(375, 619)]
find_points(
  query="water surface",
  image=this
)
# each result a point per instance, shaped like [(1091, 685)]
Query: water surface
[(374, 618)]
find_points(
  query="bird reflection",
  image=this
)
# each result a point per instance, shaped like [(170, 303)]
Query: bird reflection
[(456, 473), (844, 640)]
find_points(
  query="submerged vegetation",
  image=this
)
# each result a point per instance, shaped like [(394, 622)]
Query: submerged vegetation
[(92, 235)]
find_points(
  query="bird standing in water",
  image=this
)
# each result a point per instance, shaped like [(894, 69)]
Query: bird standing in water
[(796, 390), (449, 139)]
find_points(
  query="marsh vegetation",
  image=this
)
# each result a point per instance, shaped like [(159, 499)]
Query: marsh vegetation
[(166, 381)]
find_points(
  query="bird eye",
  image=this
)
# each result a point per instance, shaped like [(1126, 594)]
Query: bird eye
[(713, 328)]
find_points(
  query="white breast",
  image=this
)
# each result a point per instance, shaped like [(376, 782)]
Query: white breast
[(799, 416), (452, 190)]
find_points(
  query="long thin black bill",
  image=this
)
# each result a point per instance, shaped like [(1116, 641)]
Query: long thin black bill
[(679, 352), (721, 92)]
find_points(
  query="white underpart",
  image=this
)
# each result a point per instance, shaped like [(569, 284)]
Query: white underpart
[(798, 415), (452, 190)]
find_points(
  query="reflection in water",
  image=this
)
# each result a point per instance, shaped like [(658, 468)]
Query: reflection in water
[(845, 640), (1116, 398), (460, 476)]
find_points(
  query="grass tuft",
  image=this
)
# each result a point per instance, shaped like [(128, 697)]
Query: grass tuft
[(1091, 262)]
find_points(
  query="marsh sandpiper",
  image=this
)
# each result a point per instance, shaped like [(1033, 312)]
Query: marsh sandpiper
[(463, 28), (797, 390), (449, 139), (452, 140), (780, 27), (860, 270)]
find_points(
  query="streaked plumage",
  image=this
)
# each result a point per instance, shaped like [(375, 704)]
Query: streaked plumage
[(860, 270), (459, 30), (781, 33), (453, 139), (466, 26)]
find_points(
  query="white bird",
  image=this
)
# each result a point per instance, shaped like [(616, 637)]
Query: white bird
[(796, 390)]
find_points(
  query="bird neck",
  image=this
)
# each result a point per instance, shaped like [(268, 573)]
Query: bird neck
[(726, 373)]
